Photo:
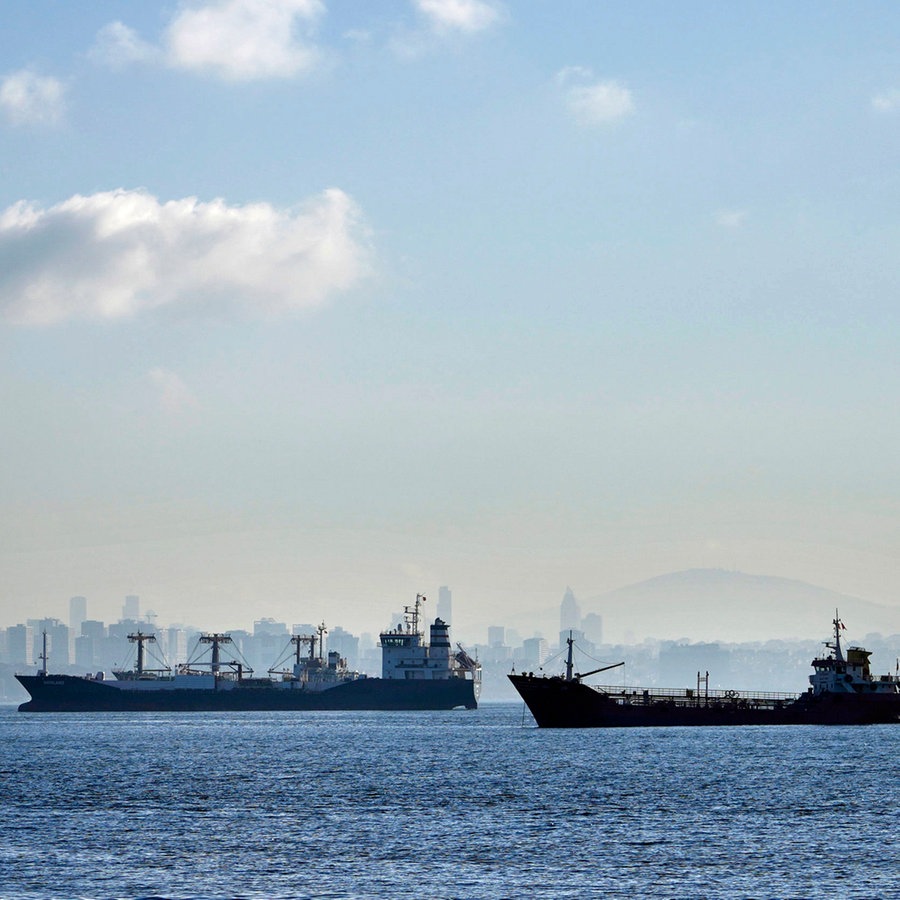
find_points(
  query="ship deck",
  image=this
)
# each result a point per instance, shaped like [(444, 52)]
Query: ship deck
[(690, 697)]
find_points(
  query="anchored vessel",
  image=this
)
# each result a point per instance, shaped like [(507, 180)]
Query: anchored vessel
[(415, 676), (842, 692)]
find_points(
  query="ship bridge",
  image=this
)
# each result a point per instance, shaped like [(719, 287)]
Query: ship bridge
[(404, 653)]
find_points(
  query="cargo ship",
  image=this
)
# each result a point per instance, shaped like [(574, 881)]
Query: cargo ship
[(842, 692), (415, 676)]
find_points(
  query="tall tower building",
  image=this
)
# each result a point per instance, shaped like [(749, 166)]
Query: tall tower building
[(496, 635), (77, 613), (592, 624), (445, 605), (569, 612), (20, 644), (132, 608)]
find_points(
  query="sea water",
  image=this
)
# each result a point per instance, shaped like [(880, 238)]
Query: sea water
[(459, 804)]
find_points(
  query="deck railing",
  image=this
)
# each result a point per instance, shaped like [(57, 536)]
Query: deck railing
[(643, 696)]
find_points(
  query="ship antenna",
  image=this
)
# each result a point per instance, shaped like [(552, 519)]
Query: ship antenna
[(420, 599), (838, 654), (569, 641)]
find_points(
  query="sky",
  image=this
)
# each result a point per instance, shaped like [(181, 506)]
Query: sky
[(307, 306)]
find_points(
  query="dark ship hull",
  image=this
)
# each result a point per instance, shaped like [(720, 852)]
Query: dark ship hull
[(558, 703), (69, 693)]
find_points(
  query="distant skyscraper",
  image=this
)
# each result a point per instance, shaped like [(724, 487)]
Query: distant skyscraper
[(77, 613), (94, 629), (445, 605), (176, 646), (496, 635), (20, 645), (59, 640), (132, 608), (269, 627), (569, 612), (85, 654), (344, 643), (534, 651), (592, 624)]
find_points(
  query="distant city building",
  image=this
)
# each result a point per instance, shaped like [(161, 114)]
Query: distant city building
[(569, 612), (176, 646), (124, 627), (93, 629), (269, 627), (578, 636), (77, 613), (592, 626), (445, 605), (534, 652), (346, 645), (20, 645), (132, 607), (85, 652), (496, 636), (59, 641)]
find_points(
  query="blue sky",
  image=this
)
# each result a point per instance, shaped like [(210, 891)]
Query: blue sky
[(309, 306)]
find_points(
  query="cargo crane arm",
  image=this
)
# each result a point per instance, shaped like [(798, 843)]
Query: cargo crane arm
[(601, 669)]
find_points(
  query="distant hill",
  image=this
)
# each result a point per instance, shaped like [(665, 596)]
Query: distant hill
[(721, 605)]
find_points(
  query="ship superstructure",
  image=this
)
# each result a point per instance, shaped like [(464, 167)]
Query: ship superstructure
[(847, 673), (405, 655)]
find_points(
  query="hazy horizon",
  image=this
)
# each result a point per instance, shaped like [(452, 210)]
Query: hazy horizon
[(312, 305), (696, 606)]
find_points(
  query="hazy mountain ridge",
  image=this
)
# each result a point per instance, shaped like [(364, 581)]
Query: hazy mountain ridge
[(725, 605)]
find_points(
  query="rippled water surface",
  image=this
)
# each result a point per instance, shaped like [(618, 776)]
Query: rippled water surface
[(462, 804)]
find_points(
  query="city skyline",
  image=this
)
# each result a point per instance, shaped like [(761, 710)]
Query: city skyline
[(772, 663), (702, 605), (312, 304)]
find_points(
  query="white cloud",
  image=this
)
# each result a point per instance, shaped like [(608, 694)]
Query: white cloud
[(244, 39), (466, 16), (887, 101), (117, 254), (731, 218), (173, 395), (117, 45), (238, 40), (594, 102), (28, 98), (444, 20)]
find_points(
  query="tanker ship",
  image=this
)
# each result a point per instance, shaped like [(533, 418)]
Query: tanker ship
[(842, 691), (415, 675)]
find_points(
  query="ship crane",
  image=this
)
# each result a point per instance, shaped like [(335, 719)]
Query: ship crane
[(294, 648), (578, 675)]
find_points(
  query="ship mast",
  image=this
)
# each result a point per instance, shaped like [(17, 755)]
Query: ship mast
[(411, 613), (138, 638), (570, 642), (836, 646), (44, 656), (216, 640), (298, 640)]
